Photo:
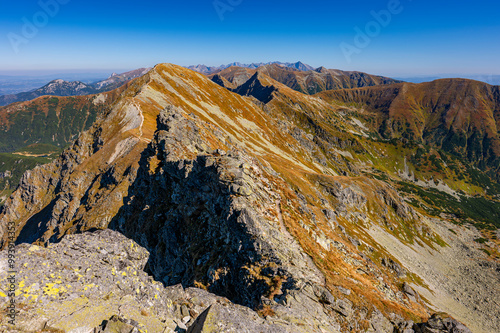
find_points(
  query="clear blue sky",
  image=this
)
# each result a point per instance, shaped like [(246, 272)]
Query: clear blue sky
[(423, 37)]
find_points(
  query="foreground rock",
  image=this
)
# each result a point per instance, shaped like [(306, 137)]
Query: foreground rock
[(95, 282)]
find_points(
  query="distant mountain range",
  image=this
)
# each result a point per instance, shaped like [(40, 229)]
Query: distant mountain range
[(211, 70), (74, 88), (15, 82), (298, 76)]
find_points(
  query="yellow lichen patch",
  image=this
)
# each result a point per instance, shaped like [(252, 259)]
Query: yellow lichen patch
[(87, 287), (50, 289), (31, 297)]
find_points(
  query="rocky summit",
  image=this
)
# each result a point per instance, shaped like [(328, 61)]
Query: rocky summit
[(192, 206)]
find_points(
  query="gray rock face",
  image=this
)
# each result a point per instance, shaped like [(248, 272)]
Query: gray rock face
[(222, 319), (198, 220), (94, 282), (394, 266), (439, 323), (84, 280)]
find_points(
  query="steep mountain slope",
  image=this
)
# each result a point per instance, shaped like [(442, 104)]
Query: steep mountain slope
[(35, 132), (74, 88), (308, 82), (435, 180), (269, 199), (461, 117)]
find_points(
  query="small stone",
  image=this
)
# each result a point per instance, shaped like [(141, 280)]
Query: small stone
[(181, 326), (241, 190), (82, 330), (344, 291), (184, 311), (220, 152)]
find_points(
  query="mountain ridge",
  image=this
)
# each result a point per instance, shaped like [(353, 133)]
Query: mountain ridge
[(308, 82), (60, 87), (450, 114)]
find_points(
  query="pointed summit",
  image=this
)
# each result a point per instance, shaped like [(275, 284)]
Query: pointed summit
[(321, 70), (301, 66), (257, 87)]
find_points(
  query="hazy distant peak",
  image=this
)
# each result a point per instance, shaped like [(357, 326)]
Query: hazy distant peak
[(75, 88), (212, 70)]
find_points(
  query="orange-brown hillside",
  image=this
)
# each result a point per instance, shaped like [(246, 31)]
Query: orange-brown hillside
[(457, 115), (308, 82)]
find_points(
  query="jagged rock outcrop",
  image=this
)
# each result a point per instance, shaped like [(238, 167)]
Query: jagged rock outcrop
[(198, 219)]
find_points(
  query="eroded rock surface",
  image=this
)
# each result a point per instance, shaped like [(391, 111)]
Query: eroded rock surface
[(96, 280)]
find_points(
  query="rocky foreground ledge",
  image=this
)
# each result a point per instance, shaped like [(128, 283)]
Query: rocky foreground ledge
[(95, 282)]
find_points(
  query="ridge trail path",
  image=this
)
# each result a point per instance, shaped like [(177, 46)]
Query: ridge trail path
[(142, 122)]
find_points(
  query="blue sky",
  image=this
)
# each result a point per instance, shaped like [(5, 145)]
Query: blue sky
[(419, 38)]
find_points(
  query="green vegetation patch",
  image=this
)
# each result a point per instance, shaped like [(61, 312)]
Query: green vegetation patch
[(482, 212), (56, 123), (40, 149), (13, 166)]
